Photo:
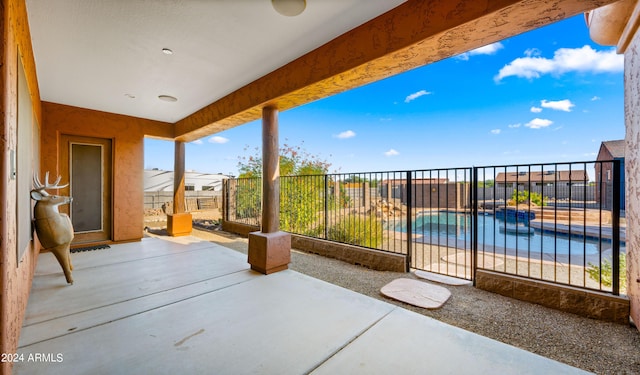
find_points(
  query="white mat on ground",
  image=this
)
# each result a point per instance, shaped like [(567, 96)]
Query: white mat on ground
[(416, 293)]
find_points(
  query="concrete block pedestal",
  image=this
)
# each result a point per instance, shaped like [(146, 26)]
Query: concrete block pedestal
[(269, 252), (179, 224)]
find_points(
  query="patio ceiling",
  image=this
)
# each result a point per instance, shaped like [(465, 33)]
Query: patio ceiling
[(231, 58), (96, 54)]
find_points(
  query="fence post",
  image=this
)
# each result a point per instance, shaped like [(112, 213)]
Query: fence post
[(326, 205), (615, 227), (409, 201), (474, 224), (225, 199)]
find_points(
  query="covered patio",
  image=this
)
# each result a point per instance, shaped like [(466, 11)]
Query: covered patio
[(75, 74), (186, 305)]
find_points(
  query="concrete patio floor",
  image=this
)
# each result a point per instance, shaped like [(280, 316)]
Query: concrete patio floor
[(185, 305)]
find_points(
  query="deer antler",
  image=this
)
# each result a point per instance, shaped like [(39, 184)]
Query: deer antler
[(40, 187)]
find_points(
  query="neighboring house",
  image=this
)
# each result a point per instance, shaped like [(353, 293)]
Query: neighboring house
[(526, 180), (160, 180), (609, 150)]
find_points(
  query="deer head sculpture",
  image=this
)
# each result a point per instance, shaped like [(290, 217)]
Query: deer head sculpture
[(54, 229)]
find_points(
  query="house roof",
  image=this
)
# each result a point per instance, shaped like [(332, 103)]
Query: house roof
[(547, 176), (615, 148), (417, 181), (232, 58), (160, 180)]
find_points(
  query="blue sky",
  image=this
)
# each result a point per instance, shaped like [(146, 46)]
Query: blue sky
[(550, 95)]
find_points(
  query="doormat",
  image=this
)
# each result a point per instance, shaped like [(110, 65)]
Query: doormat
[(89, 248)]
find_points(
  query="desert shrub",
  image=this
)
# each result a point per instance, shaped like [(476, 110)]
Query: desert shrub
[(604, 274), (301, 199), (524, 196), (357, 230), (247, 196)]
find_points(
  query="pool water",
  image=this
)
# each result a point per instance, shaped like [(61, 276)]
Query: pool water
[(454, 229)]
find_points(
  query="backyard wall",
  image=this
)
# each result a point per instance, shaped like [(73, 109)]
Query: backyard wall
[(565, 298), (127, 136), (15, 274), (632, 164)]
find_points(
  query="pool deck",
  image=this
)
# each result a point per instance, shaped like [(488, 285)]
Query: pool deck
[(185, 305), (581, 229)]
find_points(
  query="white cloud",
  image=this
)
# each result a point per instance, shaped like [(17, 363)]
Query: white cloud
[(564, 60), (515, 125), (391, 152), (218, 139), (532, 52), (197, 142), (346, 134), (595, 98), (416, 95), (536, 109), (558, 105), (538, 123), (489, 49), (495, 131)]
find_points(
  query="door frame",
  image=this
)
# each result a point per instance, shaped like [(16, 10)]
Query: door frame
[(66, 143)]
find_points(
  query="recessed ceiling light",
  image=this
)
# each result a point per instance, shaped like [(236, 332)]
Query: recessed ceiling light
[(167, 98), (167, 51)]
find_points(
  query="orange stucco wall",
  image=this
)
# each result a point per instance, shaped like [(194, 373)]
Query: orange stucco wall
[(15, 275), (127, 137)]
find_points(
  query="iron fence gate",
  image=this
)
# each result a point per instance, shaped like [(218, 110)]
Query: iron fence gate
[(557, 222)]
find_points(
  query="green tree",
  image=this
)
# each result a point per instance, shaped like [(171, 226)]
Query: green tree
[(486, 183), (301, 186), (294, 161)]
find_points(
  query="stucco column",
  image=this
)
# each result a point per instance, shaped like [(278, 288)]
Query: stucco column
[(270, 249), (179, 222), (270, 171), (178, 178), (618, 24), (632, 162)]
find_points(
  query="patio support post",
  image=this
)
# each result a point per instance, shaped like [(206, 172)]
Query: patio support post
[(178, 221), (270, 249), (270, 171)]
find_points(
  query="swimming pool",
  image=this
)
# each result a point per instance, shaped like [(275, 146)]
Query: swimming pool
[(454, 230)]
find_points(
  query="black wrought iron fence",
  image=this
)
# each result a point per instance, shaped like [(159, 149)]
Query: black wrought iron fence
[(557, 222), (242, 200)]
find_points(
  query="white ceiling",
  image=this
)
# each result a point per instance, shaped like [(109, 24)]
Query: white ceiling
[(96, 53)]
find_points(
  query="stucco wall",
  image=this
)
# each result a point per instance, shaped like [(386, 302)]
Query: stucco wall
[(16, 275), (632, 171), (127, 136)]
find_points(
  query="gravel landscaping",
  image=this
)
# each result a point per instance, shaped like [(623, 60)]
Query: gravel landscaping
[(592, 345)]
